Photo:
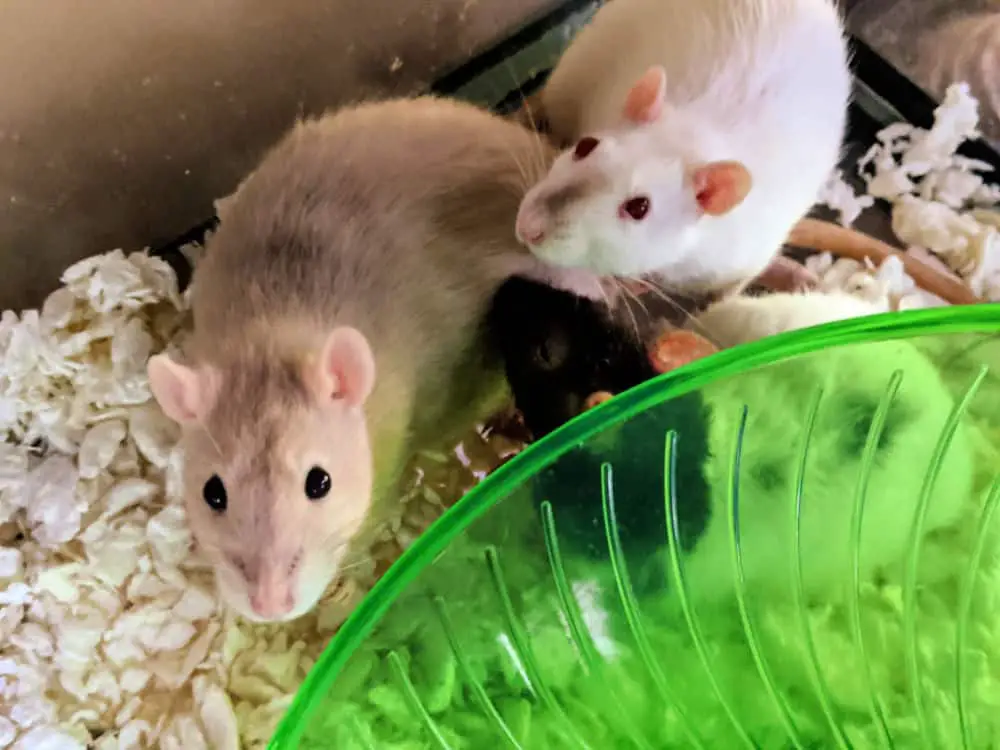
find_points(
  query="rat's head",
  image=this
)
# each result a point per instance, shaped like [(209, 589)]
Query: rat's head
[(629, 201), (558, 349), (278, 469)]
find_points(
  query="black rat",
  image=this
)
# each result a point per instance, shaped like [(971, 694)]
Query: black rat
[(560, 349)]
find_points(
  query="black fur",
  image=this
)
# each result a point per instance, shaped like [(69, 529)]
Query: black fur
[(859, 414), (558, 349)]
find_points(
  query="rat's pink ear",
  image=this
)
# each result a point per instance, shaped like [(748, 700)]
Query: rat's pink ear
[(346, 367), (645, 99), (183, 393), (721, 186)]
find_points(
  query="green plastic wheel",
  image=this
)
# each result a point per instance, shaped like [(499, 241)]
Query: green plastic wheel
[(809, 562)]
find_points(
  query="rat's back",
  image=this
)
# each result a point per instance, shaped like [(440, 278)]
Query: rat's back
[(728, 56), (337, 328), (355, 216), (391, 217)]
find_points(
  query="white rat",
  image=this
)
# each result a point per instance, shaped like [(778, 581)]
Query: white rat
[(337, 322), (704, 131), (739, 319)]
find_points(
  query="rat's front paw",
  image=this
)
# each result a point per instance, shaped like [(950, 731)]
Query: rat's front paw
[(675, 348), (784, 274), (597, 398)]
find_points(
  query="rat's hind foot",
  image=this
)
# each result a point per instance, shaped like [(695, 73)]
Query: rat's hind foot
[(786, 275), (673, 349)]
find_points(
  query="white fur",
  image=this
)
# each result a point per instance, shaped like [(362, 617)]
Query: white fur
[(777, 404), (777, 398), (739, 320), (762, 82)]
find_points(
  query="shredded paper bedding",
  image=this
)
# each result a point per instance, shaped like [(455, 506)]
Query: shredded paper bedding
[(111, 634)]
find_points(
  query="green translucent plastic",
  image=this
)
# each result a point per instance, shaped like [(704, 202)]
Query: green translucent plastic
[(481, 635)]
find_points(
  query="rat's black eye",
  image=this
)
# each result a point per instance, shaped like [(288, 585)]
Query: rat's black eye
[(635, 208), (317, 484), (551, 353), (214, 493), (584, 146)]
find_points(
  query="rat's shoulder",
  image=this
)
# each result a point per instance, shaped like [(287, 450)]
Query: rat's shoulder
[(401, 118), (739, 319)]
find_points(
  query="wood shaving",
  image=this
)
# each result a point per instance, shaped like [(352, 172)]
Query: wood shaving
[(941, 207)]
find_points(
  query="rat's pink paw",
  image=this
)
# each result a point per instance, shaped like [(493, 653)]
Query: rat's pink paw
[(597, 398), (786, 275), (675, 348)]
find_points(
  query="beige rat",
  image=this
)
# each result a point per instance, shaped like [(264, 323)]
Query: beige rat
[(336, 326)]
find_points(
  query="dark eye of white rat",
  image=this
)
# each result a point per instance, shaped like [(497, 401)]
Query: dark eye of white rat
[(635, 208), (584, 146), (214, 493), (317, 483)]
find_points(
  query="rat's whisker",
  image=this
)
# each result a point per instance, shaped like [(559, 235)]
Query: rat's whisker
[(530, 124), (533, 169), (666, 297), (525, 167), (537, 153), (628, 309), (614, 294), (367, 560), (608, 303), (522, 170), (633, 296), (333, 542), (212, 440), (648, 286)]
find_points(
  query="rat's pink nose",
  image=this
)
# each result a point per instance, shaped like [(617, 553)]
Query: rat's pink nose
[(530, 230), (272, 602)]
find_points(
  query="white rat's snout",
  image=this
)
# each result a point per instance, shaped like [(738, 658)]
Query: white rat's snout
[(543, 231), (532, 225)]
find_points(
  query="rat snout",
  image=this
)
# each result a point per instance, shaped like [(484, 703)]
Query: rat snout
[(272, 597), (531, 226), (271, 605)]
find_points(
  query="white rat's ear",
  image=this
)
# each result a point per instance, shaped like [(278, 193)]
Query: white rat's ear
[(184, 393), (346, 367), (721, 186), (645, 100)]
